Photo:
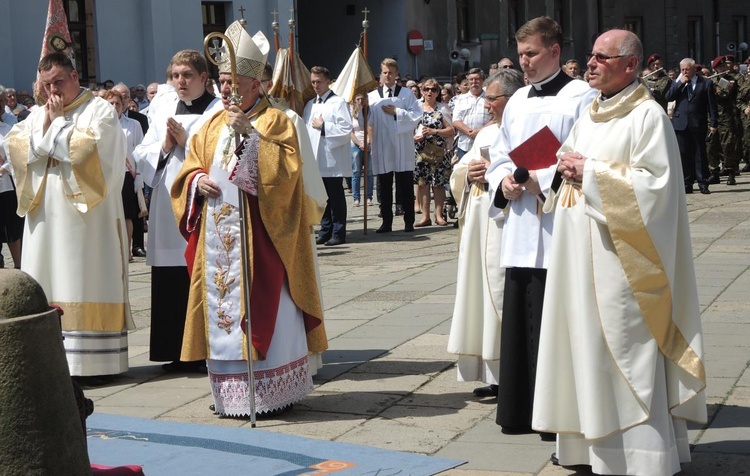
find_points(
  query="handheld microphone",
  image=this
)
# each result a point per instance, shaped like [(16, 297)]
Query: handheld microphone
[(521, 176)]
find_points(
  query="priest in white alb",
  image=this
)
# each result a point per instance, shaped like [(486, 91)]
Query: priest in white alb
[(477, 313), (68, 157), (620, 368)]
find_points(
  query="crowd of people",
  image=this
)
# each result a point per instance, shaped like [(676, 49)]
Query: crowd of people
[(567, 268)]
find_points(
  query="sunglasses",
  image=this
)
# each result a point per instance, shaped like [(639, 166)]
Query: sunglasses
[(427, 90), (601, 58)]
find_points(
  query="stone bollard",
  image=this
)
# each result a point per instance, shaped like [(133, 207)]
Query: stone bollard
[(40, 426)]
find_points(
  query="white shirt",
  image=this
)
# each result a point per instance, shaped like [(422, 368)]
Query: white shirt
[(470, 110), (393, 137), (331, 142), (6, 184)]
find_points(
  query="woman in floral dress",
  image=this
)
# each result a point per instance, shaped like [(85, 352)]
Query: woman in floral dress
[(431, 140)]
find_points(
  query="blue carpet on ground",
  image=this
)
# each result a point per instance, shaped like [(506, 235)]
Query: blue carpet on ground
[(171, 448)]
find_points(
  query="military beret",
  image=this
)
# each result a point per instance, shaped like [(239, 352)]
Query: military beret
[(652, 58)]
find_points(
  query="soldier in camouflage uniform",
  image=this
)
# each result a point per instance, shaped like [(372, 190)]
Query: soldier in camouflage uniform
[(743, 106), (657, 83), (726, 141)]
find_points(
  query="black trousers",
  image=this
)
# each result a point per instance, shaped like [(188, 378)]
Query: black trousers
[(692, 146), (404, 191), (519, 346), (170, 287), (333, 223), (138, 233)]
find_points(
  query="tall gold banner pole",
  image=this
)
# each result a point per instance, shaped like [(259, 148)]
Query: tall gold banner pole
[(218, 55), (365, 113)]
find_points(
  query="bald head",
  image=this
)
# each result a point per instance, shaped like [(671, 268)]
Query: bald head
[(615, 63)]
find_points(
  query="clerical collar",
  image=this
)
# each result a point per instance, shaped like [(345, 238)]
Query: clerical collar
[(602, 97), (550, 86), (196, 106)]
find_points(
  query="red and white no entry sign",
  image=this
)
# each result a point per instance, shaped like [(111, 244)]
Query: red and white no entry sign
[(415, 42)]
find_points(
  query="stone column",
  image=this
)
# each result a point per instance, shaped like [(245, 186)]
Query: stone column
[(40, 425)]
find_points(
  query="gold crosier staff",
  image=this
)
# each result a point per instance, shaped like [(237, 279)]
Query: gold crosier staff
[(216, 55)]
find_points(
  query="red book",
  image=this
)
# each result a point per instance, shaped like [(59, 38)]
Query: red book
[(538, 151)]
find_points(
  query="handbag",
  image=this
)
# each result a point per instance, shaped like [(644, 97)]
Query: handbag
[(432, 153)]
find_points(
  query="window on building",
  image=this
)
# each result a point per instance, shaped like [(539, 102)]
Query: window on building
[(635, 25), (515, 20), (695, 38), (81, 28), (739, 36), (214, 20), (464, 21), (560, 15)]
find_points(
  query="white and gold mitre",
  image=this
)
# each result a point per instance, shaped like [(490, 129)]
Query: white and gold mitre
[(250, 52)]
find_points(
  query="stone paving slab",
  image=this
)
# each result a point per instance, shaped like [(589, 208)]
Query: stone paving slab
[(400, 392), (489, 456), (381, 383)]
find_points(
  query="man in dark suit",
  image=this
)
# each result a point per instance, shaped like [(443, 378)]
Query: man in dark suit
[(694, 103)]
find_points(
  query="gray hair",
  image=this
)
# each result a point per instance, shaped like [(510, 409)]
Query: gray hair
[(510, 80), (631, 45), (688, 61)]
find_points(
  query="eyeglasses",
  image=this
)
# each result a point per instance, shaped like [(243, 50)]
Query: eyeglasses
[(495, 98), (428, 90), (601, 58), (507, 66)]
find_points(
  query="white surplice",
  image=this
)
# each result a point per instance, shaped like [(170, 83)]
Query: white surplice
[(166, 246), (477, 313), (332, 149), (527, 233), (75, 243), (393, 139), (621, 260)]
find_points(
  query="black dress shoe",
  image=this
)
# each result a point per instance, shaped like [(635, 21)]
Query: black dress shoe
[(383, 229), (688, 189), (488, 391), (409, 228), (321, 240), (516, 430), (335, 241), (94, 380), (705, 190), (197, 366), (714, 179), (731, 180), (553, 459), (547, 436), (139, 252)]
